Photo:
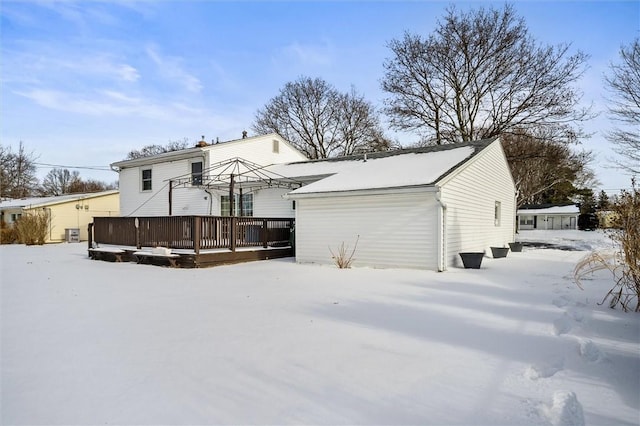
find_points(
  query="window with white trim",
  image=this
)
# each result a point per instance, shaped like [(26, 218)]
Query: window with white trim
[(497, 213), (275, 146), (196, 173), (526, 220), (146, 179), (247, 205)]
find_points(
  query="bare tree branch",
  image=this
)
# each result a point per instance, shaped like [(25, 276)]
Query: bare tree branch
[(479, 75), (320, 121), (624, 85)]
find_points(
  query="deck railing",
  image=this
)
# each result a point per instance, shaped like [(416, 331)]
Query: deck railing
[(191, 232)]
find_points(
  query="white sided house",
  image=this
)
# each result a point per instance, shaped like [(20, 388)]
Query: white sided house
[(554, 217), (415, 208), (192, 181)]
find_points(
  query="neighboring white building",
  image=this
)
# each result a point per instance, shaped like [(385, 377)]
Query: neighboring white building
[(414, 208), (556, 217), (176, 183), (65, 212)]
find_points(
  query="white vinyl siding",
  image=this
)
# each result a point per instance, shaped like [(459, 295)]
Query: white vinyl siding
[(269, 203), (187, 200), (191, 200), (257, 150), (471, 196), (395, 230)]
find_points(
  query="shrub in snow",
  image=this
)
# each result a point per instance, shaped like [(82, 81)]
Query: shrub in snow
[(623, 263), (343, 259), (8, 234), (32, 228)]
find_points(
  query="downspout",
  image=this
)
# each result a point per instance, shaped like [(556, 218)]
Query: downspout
[(442, 227), (210, 201)]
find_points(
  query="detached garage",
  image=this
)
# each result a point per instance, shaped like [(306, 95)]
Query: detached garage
[(415, 208)]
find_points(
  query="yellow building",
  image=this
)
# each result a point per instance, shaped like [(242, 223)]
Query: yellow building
[(69, 214), (607, 218)]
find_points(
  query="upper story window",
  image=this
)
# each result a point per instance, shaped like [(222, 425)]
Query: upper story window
[(497, 213), (275, 146), (196, 173), (146, 180)]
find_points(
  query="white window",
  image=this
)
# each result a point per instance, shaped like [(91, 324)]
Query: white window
[(146, 180), (526, 220), (497, 213), (196, 173), (247, 205), (276, 146)]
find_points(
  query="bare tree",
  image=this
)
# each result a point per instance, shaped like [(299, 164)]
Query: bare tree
[(479, 75), (150, 150), (17, 172), (624, 84), (546, 171), (63, 181), (91, 185), (59, 182), (320, 121)]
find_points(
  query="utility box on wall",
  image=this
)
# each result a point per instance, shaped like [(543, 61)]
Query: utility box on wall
[(72, 235)]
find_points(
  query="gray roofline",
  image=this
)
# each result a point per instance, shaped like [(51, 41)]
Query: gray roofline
[(478, 146), (61, 199), (188, 152)]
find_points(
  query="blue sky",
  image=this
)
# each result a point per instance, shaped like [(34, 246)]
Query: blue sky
[(83, 83)]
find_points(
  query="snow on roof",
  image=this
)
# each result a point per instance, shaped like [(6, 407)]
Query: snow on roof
[(406, 169), (312, 168), (571, 209), (42, 201)]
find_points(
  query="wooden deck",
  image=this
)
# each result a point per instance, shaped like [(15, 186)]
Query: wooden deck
[(198, 241)]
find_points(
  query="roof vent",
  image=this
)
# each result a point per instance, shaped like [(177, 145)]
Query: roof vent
[(202, 143)]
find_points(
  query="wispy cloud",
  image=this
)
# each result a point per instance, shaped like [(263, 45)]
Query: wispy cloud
[(127, 72), (309, 54), (170, 67), (107, 103), (63, 65)]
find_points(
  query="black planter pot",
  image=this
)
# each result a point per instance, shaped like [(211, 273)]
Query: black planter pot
[(472, 260), (499, 252), (515, 247)]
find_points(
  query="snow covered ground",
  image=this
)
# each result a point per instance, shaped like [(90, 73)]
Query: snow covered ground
[(274, 342)]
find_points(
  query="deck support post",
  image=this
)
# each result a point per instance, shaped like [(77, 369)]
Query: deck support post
[(231, 197), (265, 234), (90, 235), (136, 223), (197, 226), (170, 196), (232, 233)]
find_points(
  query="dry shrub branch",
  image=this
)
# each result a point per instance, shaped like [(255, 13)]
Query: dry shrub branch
[(624, 262), (343, 258), (32, 228)]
